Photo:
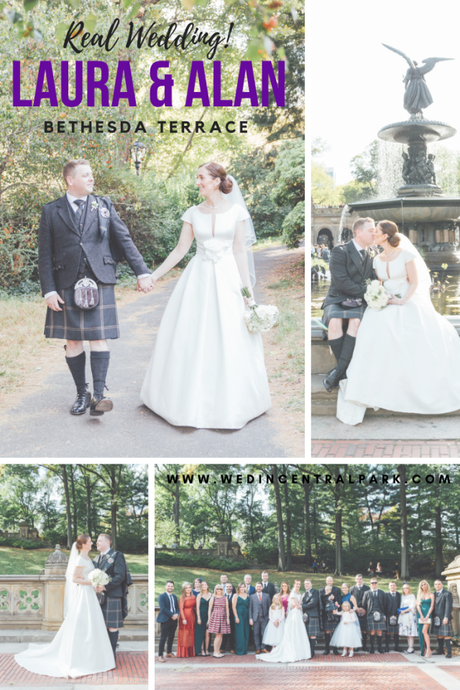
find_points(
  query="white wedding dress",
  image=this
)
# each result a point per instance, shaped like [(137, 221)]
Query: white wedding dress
[(295, 645), (406, 358), (81, 645), (207, 371)]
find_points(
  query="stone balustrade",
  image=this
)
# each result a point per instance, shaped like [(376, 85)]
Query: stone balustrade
[(37, 601)]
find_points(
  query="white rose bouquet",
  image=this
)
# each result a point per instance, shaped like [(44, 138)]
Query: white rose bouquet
[(98, 578), (376, 296), (259, 319)]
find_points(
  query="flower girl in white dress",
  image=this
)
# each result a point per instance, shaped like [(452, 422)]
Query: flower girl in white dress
[(275, 628), (348, 632), (207, 371), (81, 646)]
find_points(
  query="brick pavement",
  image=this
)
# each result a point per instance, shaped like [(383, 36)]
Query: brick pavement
[(132, 668), (295, 678), (385, 449), (453, 670), (234, 660)]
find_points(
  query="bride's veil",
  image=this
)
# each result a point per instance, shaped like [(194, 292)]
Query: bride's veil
[(235, 197), (423, 274), (70, 586)]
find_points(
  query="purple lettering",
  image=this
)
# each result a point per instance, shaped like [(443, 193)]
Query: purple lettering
[(45, 70), (93, 83), (17, 100), (246, 71), (278, 87), (124, 70), (217, 73), (66, 100), (197, 70)]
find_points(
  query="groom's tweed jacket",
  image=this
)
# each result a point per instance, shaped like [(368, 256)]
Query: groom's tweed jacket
[(63, 246), (349, 273)]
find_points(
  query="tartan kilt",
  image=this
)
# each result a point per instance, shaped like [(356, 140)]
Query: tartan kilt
[(72, 323), (336, 311), (330, 625), (112, 612), (392, 628), (373, 625), (443, 630), (313, 627), (362, 622)]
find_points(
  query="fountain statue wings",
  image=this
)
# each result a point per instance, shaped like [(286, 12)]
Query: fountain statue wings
[(417, 94)]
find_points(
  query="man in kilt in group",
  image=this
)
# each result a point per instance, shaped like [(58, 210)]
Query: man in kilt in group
[(358, 590), (81, 237), (442, 618), (311, 606), (393, 604), (329, 622), (113, 597), (350, 266), (375, 604)]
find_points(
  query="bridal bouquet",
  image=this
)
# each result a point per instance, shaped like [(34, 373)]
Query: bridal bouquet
[(98, 578), (260, 319), (376, 296)]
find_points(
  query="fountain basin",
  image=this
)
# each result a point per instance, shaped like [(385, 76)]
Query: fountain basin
[(416, 209), (412, 131)]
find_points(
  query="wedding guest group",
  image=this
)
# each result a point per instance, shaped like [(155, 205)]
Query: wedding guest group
[(345, 616)]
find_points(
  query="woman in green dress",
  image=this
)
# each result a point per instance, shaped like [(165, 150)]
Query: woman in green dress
[(201, 631), (240, 604), (425, 605)]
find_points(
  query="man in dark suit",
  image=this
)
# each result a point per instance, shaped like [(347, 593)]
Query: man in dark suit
[(358, 591), (393, 604), (259, 606), (442, 618), (229, 638), (311, 606), (350, 266), (169, 613), (250, 589), (80, 237), (375, 603), (114, 604), (267, 587), (329, 625)]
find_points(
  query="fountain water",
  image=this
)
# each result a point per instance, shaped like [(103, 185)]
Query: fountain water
[(345, 211)]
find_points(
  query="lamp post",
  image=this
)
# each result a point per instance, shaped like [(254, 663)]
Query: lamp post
[(138, 151)]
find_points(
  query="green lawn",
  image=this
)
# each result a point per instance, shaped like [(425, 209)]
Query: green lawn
[(181, 574), (21, 562)]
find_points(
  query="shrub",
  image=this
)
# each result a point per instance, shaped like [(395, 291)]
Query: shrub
[(192, 560), (26, 544)]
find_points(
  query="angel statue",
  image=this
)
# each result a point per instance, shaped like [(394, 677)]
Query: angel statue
[(417, 94)]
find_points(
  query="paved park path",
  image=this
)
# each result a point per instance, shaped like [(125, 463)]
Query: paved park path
[(40, 424), (394, 671), (132, 669)]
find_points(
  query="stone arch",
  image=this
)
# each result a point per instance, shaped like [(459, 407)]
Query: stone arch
[(325, 236)]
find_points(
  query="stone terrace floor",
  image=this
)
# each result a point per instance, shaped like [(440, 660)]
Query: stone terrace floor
[(132, 669), (385, 672)]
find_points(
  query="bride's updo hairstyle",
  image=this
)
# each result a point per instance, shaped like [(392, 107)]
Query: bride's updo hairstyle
[(82, 539), (389, 228), (216, 170)]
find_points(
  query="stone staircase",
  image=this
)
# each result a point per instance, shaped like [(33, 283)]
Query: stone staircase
[(19, 636)]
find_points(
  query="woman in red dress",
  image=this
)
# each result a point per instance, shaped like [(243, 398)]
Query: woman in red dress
[(219, 618), (186, 639)]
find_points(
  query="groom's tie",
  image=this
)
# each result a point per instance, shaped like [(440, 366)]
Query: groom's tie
[(361, 251), (79, 213)]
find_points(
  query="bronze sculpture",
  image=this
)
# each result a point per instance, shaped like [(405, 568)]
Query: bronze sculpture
[(417, 94)]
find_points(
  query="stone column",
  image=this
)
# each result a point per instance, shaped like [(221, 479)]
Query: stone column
[(452, 575), (53, 578)]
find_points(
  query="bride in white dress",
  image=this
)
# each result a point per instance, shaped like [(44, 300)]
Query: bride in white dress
[(81, 646), (207, 370), (407, 356), (295, 645)]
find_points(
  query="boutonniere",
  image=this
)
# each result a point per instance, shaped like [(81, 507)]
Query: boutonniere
[(372, 253), (94, 206), (110, 560), (105, 213)]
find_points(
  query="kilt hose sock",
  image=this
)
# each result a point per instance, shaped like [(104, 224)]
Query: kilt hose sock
[(99, 367), (77, 366)]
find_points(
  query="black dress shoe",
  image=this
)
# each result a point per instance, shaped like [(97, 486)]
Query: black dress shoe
[(99, 405), (448, 656), (335, 651), (365, 649), (332, 380), (82, 401), (438, 652), (326, 651)]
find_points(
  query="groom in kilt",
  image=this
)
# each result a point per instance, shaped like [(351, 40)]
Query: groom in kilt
[(311, 606), (358, 591), (442, 618), (350, 266), (80, 237), (375, 603), (113, 597)]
